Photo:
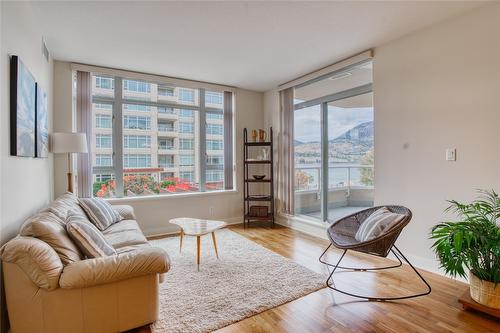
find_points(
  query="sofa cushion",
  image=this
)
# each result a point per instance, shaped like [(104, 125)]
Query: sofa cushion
[(124, 233), (100, 212), (87, 237), (50, 229), (63, 204)]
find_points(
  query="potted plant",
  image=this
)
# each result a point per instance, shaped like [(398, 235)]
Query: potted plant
[(473, 243)]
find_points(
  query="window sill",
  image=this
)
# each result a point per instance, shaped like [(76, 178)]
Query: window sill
[(169, 196)]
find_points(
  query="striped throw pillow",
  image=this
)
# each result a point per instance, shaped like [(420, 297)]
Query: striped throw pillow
[(377, 223), (99, 212), (87, 237)]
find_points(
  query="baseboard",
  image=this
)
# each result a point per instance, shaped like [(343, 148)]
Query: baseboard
[(319, 230)]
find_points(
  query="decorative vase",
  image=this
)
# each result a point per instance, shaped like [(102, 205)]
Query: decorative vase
[(484, 292)]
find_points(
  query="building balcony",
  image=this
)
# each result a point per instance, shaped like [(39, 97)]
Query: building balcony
[(168, 150), (349, 191), (167, 131), (168, 115)]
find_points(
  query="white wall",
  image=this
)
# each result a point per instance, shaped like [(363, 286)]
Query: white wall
[(25, 183), (434, 89), (153, 213)]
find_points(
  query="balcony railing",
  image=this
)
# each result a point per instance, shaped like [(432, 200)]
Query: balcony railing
[(308, 177), (164, 128)]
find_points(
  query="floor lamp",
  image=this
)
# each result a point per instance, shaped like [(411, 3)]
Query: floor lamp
[(69, 143)]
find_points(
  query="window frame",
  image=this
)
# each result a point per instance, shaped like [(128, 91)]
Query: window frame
[(197, 104)]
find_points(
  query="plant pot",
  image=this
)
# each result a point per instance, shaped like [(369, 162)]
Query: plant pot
[(484, 292)]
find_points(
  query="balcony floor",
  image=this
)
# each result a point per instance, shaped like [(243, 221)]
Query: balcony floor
[(335, 214)]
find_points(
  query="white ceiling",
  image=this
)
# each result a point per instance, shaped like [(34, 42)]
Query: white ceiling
[(253, 45)]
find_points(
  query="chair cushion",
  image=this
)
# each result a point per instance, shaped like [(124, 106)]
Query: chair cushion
[(100, 212), (377, 224), (50, 229), (87, 237)]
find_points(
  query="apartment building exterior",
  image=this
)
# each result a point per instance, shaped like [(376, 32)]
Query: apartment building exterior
[(160, 132)]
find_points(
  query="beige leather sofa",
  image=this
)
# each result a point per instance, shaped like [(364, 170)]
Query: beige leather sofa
[(108, 294)]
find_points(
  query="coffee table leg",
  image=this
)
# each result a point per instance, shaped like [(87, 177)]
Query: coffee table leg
[(215, 245), (198, 251), (182, 236)]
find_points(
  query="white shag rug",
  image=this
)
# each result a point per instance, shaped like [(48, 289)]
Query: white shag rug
[(246, 279)]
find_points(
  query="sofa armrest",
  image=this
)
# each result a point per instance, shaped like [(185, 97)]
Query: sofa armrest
[(126, 211), (92, 272), (36, 259)]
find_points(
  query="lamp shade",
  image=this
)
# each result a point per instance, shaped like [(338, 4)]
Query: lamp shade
[(69, 143)]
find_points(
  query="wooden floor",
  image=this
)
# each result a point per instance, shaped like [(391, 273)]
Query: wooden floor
[(329, 311)]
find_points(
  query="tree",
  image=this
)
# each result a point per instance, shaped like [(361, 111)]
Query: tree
[(367, 174), (302, 180)]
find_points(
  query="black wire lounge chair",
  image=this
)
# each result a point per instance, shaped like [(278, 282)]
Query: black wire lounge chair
[(341, 234)]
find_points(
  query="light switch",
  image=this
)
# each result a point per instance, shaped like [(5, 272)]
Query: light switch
[(451, 154)]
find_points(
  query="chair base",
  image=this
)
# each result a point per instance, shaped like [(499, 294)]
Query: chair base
[(372, 298)]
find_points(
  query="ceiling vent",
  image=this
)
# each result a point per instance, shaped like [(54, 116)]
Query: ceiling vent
[(340, 75)]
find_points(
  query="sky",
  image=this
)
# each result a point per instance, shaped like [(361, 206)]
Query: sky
[(308, 124)]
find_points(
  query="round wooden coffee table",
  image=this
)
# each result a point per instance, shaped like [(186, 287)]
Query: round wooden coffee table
[(198, 227)]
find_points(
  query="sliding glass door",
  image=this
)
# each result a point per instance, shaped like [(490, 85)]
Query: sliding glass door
[(350, 155), (334, 144)]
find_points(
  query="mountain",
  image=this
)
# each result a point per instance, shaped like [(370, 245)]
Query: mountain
[(349, 147), (361, 134)]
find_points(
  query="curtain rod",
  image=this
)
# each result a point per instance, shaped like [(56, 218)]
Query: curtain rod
[(360, 57), (150, 77)]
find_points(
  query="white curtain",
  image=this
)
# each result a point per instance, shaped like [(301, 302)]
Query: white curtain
[(228, 140), (84, 125), (286, 153)]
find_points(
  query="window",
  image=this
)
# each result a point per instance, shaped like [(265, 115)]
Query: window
[(137, 141), (103, 121), (165, 91), (103, 178), (165, 109), (136, 86), (186, 113), (186, 95), (215, 129), (166, 175), (215, 160), (187, 176), (166, 143), (136, 107), (102, 106), (215, 145), (215, 115), (215, 176), (339, 105), (186, 144), (136, 161), (103, 141), (186, 160), (213, 98), (103, 160), (186, 127), (137, 122), (103, 82), (159, 142), (166, 161), (166, 127)]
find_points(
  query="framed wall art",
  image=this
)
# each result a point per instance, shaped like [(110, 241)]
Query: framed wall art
[(22, 109)]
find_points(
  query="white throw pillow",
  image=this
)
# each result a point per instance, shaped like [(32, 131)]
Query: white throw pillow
[(377, 223)]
